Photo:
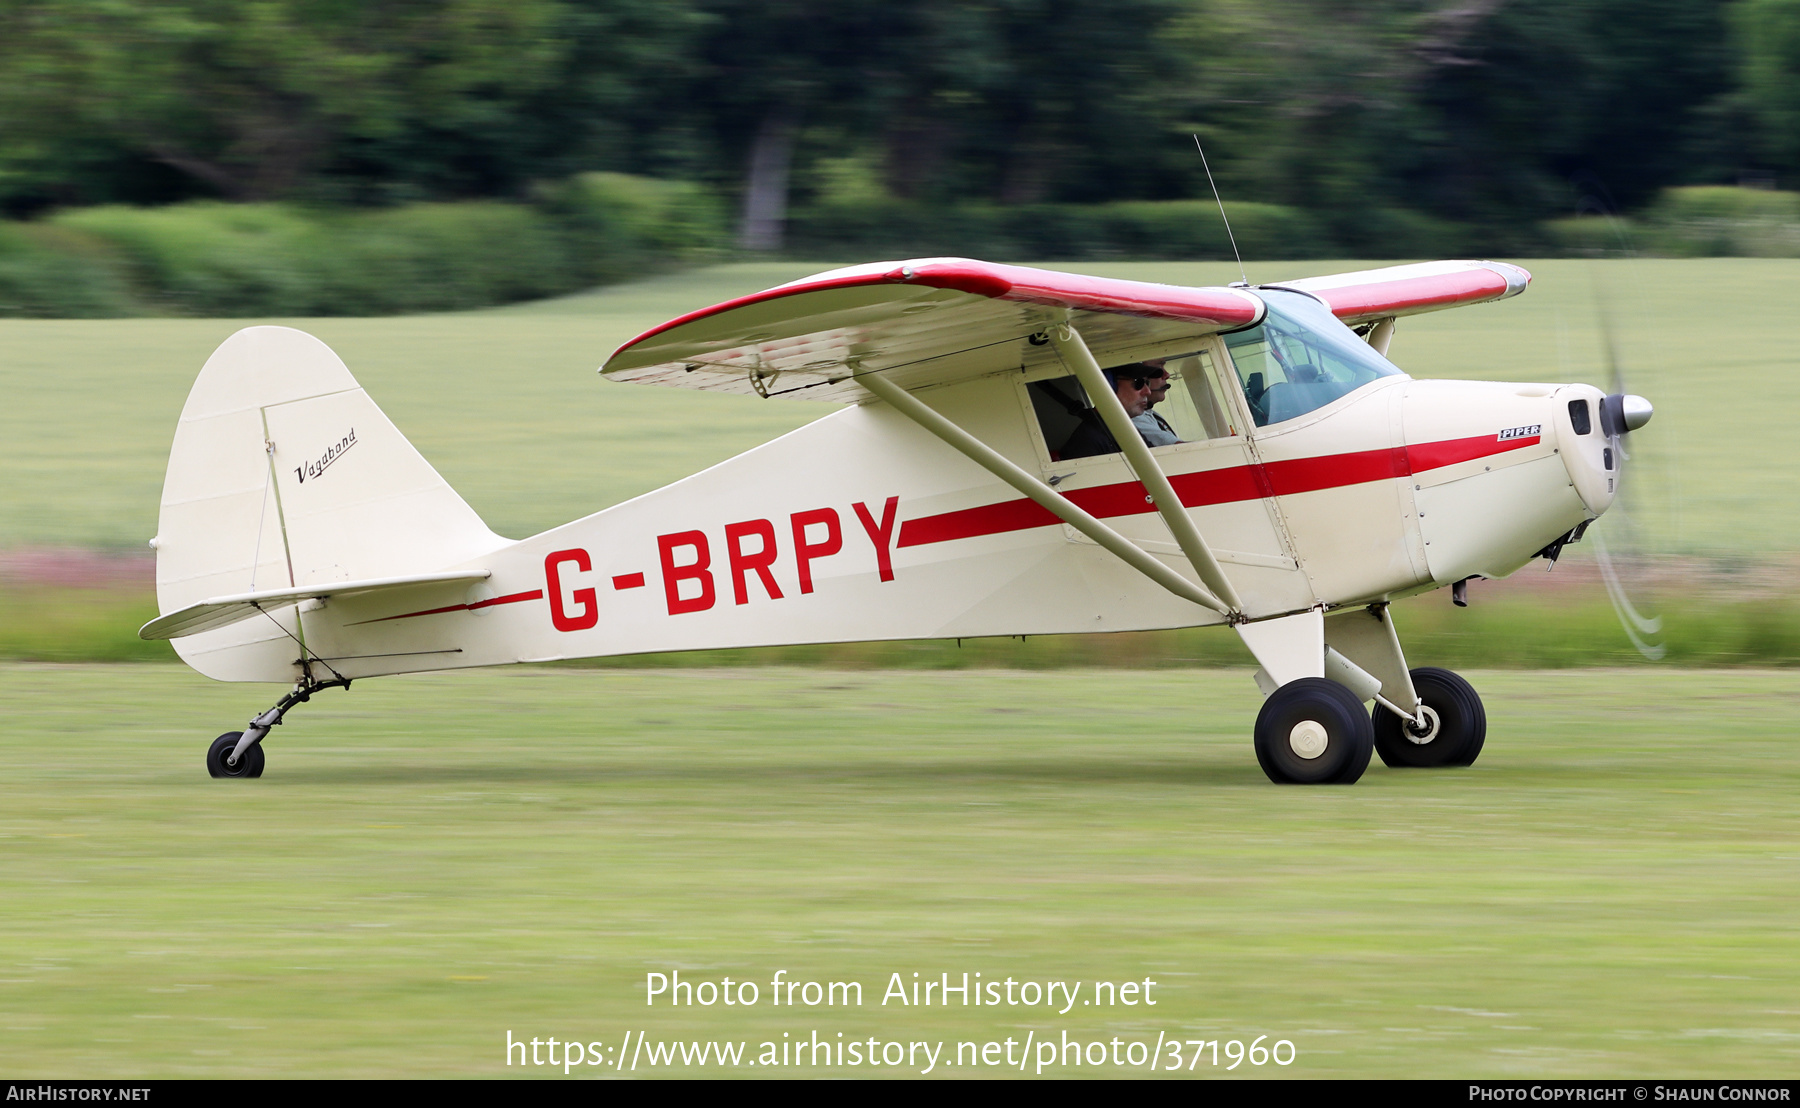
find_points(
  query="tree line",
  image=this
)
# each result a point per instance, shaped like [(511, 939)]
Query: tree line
[(1487, 113)]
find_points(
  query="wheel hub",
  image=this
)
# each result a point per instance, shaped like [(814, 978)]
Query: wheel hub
[(1427, 728), (1308, 739)]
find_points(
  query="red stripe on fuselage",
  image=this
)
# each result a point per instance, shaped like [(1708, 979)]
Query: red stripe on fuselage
[(1437, 455), (515, 598), (1215, 486)]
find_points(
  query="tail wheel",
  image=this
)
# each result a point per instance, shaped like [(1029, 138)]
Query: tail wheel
[(250, 765), (1313, 732), (1453, 724)]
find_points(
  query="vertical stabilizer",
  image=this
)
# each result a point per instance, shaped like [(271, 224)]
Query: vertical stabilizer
[(284, 473)]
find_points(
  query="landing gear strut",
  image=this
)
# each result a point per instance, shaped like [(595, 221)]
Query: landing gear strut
[(239, 753)]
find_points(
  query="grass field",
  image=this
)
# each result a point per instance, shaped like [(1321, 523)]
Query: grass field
[(507, 405), (433, 862)]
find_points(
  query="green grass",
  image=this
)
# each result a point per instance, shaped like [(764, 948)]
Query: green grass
[(52, 624), (434, 861), (1509, 626)]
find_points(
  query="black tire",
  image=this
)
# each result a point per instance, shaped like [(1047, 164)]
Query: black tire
[(1461, 724), (250, 765), (1341, 734)]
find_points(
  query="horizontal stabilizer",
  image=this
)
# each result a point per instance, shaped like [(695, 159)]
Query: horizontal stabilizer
[(222, 611)]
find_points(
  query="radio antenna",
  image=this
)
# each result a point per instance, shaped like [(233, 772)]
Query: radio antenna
[(1222, 215)]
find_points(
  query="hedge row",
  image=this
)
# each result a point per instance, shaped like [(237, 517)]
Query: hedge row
[(217, 259), (1700, 222), (49, 271), (1179, 230)]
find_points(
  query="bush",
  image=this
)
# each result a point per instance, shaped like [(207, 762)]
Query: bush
[(1399, 233), (617, 227), (435, 257), (208, 258), (1705, 221), (215, 259), (1174, 230), (1724, 202), (1168, 229), (47, 272), (1728, 222), (1593, 237)]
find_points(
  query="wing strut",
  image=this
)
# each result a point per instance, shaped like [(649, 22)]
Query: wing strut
[(1075, 354), (1000, 466)]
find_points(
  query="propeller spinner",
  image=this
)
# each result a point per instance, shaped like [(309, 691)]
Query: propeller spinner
[(1622, 413)]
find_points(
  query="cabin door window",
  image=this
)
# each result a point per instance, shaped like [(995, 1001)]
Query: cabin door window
[(1191, 409)]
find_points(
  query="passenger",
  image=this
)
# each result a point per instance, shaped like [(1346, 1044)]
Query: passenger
[(1091, 438), (1154, 428)]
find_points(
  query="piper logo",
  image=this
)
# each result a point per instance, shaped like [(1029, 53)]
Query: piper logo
[(313, 470), (1534, 431)]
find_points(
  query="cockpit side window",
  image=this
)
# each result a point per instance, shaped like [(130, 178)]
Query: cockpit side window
[(1195, 407), (1062, 407), (1192, 408), (1300, 358)]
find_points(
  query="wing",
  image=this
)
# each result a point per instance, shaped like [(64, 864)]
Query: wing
[(921, 323), (1411, 289)]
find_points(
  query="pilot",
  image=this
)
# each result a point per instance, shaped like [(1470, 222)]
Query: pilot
[(1154, 428), (1091, 437)]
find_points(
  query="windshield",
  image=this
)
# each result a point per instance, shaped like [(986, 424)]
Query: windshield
[(1300, 358)]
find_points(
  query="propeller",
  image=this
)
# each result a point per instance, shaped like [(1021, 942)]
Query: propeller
[(1621, 413)]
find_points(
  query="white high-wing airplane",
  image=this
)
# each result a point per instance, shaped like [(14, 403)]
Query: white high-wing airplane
[(958, 493)]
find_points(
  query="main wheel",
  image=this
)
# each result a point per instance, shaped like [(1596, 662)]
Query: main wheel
[(1313, 732), (1455, 724), (250, 765)]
